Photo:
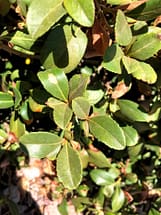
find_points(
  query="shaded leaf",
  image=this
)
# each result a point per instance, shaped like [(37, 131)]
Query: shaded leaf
[(62, 115), (42, 15), (81, 11), (146, 45), (118, 199), (140, 70), (131, 135), (41, 144), (131, 110), (64, 48), (55, 82), (101, 177), (81, 107), (16, 126), (112, 59), (6, 100), (123, 32), (4, 7), (106, 130), (69, 167), (77, 85)]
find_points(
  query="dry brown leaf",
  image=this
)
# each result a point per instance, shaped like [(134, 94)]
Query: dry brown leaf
[(120, 90), (98, 37)]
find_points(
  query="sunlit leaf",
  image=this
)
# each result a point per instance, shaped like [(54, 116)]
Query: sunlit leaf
[(94, 96), (42, 15), (55, 82), (6, 100), (41, 144), (69, 167), (101, 177), (81, 11), (118, 199), (16, 125), (131, 135), (81, 107), (118, 2), (108, 131)]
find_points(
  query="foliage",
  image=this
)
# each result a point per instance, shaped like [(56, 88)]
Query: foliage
[(81, 87)]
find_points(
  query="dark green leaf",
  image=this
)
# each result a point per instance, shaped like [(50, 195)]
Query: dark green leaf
[(69, 167), (81, 107), (101, 177), (106, 130), (64, 48), (41, 144), (112, 59), (42, 15), (123, 32), (118, 199), (55, 82), (81, 11), (6, 100)]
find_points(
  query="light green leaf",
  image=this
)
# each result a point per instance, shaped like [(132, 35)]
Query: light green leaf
[(112, 59), (55, 82), (81, 11), (101, 177), (123, 32), (41, 144), (131, 135), (6, 100), (94, 96), (81, 107), (119, 2), (69, 167), (140, 70), (64, 48), (146, 45), (131, 110), (16, 126), (52, 102), (42, 15), (153, 212), (147, 11), (3, 136), (77, 85), (118, 199), (106, 130), (62, 115), (18, 97)]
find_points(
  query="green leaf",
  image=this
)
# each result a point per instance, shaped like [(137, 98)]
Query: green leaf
[(118, 199), (123, 32), (81, 107), (41, 144), (55, 82), (62, 115), (106, 130), (146, 45), (42, 15), (6, 100), (64, 48), (81, 11), (101, 177), (147, 11), (131, 110), (52, 102), (18, 97), (119, 2), (153, 212), (77, 85), (140, 70), (99, 159), (94, 96), (3, 136), (131, 135), (69, 167), (112, 59), (16, 126)]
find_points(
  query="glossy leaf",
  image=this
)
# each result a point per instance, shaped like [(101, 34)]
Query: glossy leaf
[(118, 199), (101, 177), (112, 59), (131, 135), (6, 100), (106, 130), (41, 144), (77, 85), (64, 48), (131, 110), (118, 2), (81, 107), (4, 7), (147, 11), (123, 32), (17, 126), (52, 102), (42, 15), (146, 45), (69, 167), (81, 11), (18, 97), (140, 70), (62, 115), (55, 82), (94, 96)]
